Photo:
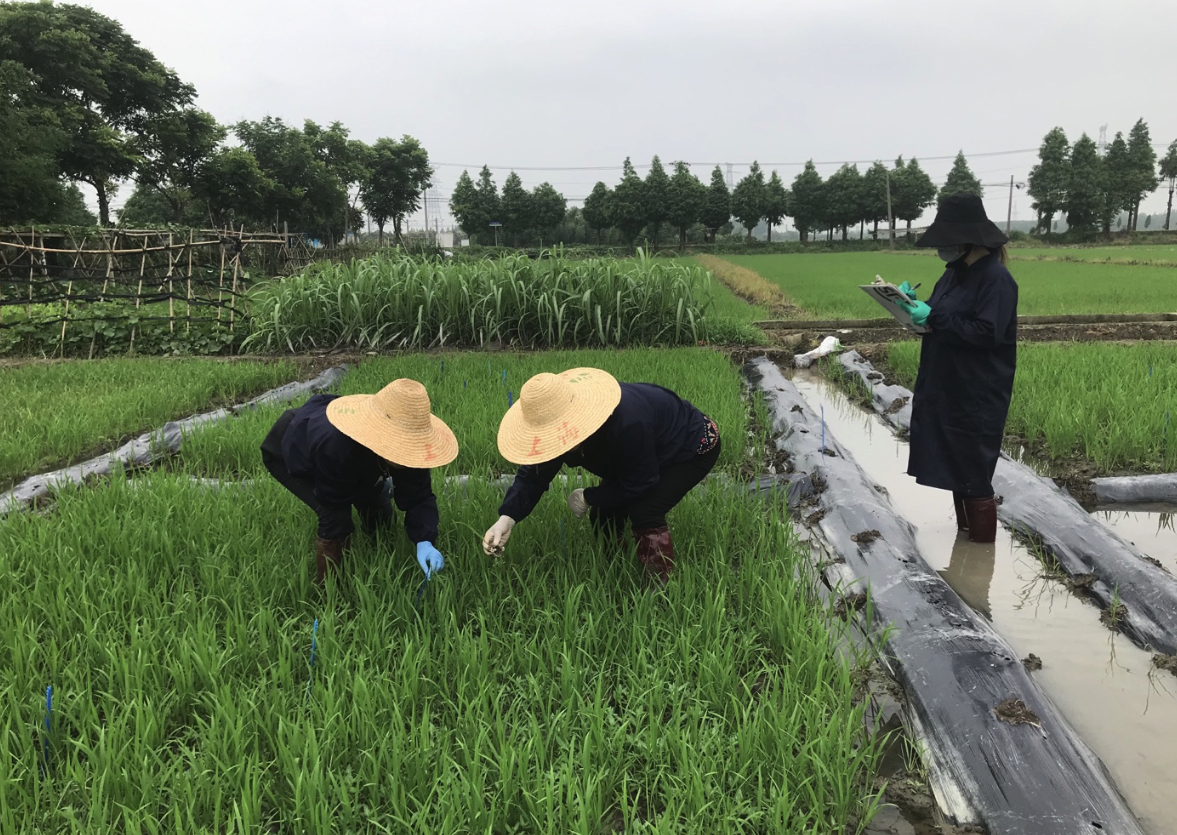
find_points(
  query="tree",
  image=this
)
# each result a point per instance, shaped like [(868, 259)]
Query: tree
[(748, 199), (1142, 168), (628, 206), (233, 188), (1117, 182), (548, 208), (397, 172), (516, 208), (31, 138), (961, 179), (102, 86), (1050, 178), (173, 150), (597, 210), (656, 195), (1169, 172), (912, 192), (488, 201), (717, 210), (808, 204), (1085, 190), (466, 208), (844, 198), (686, 198), (149, 209), (874, 196), (776, 202)]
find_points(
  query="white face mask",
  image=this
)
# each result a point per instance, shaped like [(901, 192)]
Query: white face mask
[(949, 254)]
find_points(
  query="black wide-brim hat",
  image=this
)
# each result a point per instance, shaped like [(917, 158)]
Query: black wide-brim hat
[(961, 219)]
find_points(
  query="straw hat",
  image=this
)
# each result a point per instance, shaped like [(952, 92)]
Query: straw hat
[(395, 423), (556, 412)]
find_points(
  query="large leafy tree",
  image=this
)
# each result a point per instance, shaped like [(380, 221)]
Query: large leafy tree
[(717, 210), (232, 188), (1142, 168), (1169, 172), (912, 191), (748, 199), (597, 212), (102, 86), (844, 198), (150, 209), (488, 202), (396, 174), (627, 209), (548, 210), (1085, 191), (776, 202), (961, 179), (874, 195), (1050, 178), (466, 207), (173, 150), (31, 137), (656, 195), (1117, 182), (516, 208), (808, 203)]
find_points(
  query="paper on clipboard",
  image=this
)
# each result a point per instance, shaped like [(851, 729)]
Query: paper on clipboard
[(892, 299)]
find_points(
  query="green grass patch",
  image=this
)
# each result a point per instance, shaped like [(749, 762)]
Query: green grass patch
[(1161, 255), (827, 285), (1111, 404), (468, 392), (54, 413)]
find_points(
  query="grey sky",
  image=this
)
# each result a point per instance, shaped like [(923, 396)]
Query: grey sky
[(529, 84)]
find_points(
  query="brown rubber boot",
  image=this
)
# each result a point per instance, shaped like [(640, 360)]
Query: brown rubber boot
[(329, 555), (962, 520), (982, 518), (656, 554)]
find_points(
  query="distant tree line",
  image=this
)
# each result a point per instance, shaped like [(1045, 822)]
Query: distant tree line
[(1091, 189), (82, 102)]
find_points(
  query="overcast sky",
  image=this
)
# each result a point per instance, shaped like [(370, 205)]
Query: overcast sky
[(529, 84)]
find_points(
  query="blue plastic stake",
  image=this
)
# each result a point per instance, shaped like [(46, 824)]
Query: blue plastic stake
[(48, 729), (420, 593), (504, 378), (443, 366), (463, 384), (510, 400), (314, 644)]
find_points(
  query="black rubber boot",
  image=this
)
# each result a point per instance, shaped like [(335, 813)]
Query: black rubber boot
[(982, 518)]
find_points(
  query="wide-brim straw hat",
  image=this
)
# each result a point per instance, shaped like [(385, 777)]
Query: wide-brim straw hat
[(556, 412), (961, 219), (396, 424)]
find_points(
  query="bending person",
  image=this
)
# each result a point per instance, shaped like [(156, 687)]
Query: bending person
[(648, 446), (967, 362), (336, 452)]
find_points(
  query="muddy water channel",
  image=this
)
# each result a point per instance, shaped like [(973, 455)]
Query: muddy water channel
[(1151, 528), (1104, 685)]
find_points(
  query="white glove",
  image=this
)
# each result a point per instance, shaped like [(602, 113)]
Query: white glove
[(496, 538), (577, 504)]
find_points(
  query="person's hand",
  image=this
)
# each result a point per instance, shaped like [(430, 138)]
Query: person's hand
[(906, 289), (429, 558), (496, 538), (919, 313), (577, 504)]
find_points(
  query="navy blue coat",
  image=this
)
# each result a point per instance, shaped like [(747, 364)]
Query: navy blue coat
[(346, 473), (966, 378), (651, 428)]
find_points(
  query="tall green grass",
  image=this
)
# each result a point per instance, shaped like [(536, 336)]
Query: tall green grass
[(469, 393), (396, 301), (1112, 404), (539, 693), (827, 285), (52, 413)]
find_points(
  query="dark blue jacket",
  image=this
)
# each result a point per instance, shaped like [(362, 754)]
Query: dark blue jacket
[(651, 428), (346, 473), (966, 378)]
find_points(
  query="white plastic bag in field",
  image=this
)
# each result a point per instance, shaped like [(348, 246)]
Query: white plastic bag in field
[(827, 346)]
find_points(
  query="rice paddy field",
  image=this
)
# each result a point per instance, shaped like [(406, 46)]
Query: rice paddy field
[(202, 683), (1110, 404), (52, 413), (1165, 255), (826, 285)]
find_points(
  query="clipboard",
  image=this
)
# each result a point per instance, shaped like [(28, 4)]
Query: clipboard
[(892, 298)]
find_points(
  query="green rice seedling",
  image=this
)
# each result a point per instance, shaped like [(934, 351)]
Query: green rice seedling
[(538, 692), (1110, 404), (52, 414)]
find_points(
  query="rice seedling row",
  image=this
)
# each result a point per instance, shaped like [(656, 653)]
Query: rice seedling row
[(827, 285), (1111, 404), (54, 413)]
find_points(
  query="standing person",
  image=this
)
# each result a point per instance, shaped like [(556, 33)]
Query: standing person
[(967, 361), (335, 452), (648, 446)]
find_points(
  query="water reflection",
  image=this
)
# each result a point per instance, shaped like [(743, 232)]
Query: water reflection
[(970, 572)]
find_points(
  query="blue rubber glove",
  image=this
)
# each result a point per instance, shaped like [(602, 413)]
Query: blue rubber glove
[(429, 558), (919, 313), (906, 289)]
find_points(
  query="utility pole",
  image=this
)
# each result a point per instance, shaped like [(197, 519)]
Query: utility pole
[(890, 217), (425, 202), (1010, 213), (730, 184)]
